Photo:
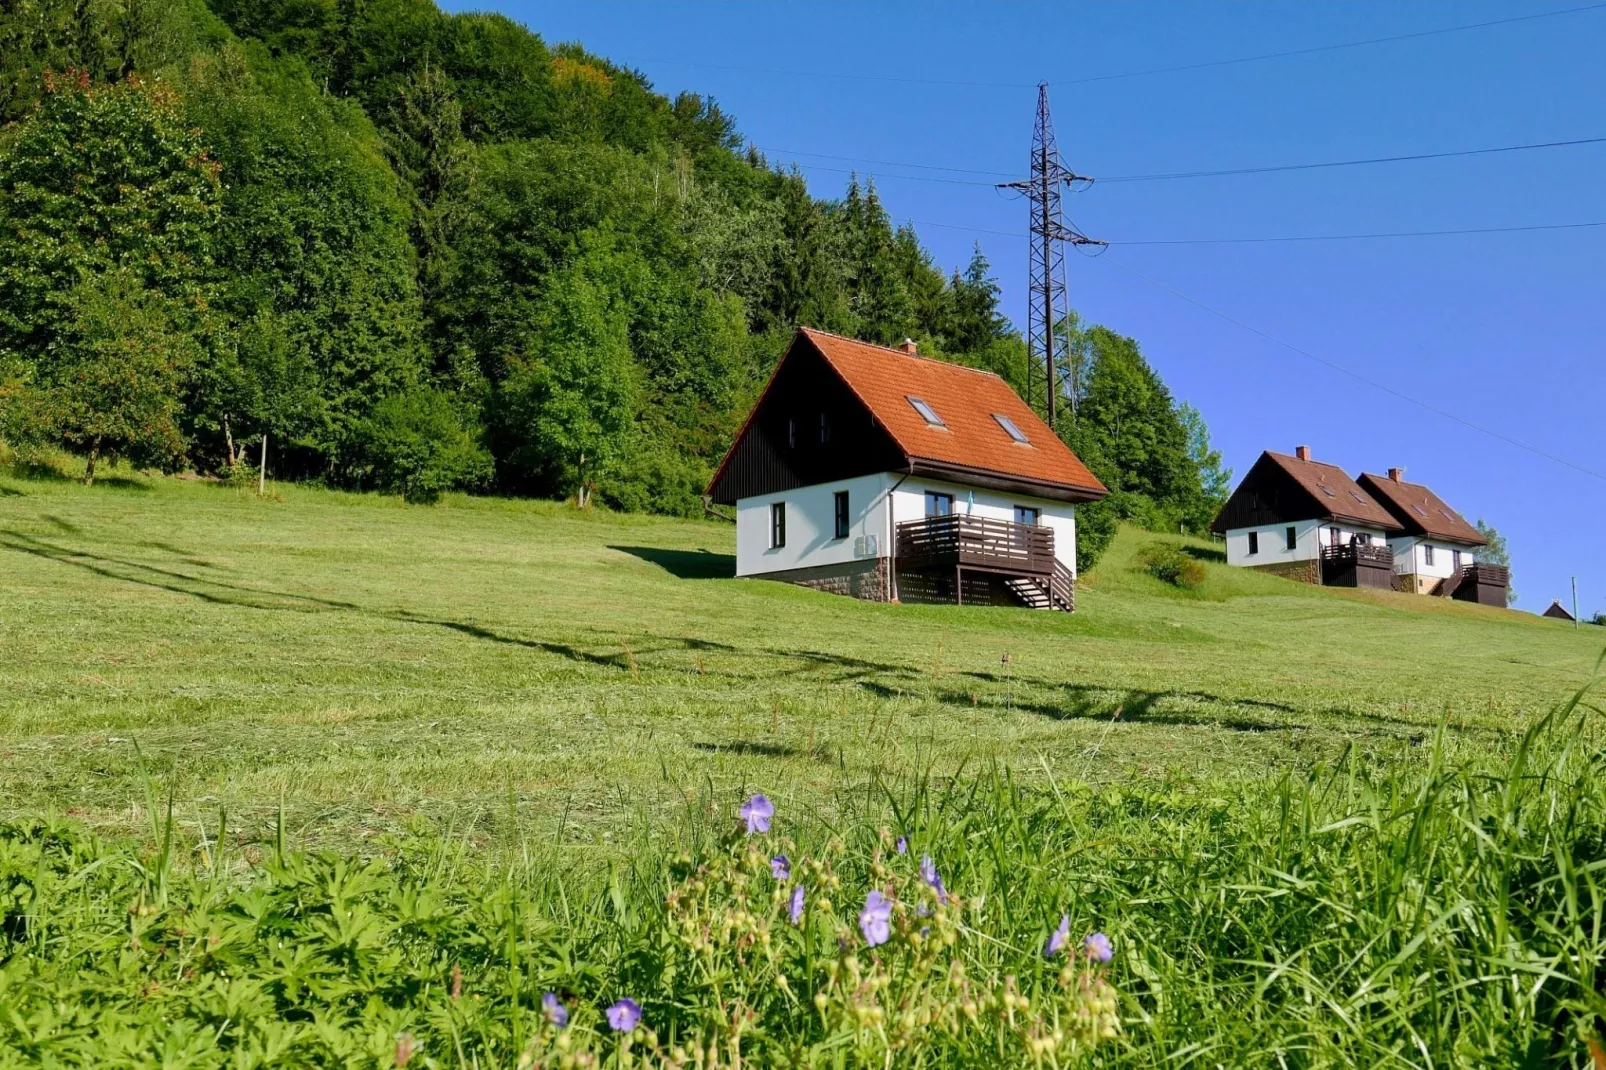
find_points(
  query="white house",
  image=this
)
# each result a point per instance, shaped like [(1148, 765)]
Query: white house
[(1437, 544), (1309, 521), (881, 474)]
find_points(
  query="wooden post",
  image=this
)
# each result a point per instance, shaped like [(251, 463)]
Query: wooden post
[(959, 586), (262, 472)]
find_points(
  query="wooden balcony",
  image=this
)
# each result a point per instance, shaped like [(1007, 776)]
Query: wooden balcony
[(1358, 565), (973, 560), (1484, 584), (974, 542)]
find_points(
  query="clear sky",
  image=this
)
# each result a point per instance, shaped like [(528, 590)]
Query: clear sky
[(1502, 330)]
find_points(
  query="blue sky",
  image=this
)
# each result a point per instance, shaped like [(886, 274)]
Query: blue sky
[(1501, 330)]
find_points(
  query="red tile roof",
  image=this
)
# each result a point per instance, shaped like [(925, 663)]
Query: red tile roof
[(1421, 511), (966, 400), (1335, 491)]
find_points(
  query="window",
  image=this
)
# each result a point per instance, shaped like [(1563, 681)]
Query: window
[(1427, 554), (840, 500), (1455, 560), (1420, 510), (927, 413), (1358, 496), (791, 432), (939, 504), (1254, 542), (1329, 491), (1028, 515), (1361, 540), (1333, 536), (1010, 429), (1290, 538), (825, 429), (777, 525)]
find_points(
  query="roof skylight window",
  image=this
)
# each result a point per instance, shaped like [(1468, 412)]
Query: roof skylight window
[(927, 413), (1357, 496), (1329, 491), (1010, 429), (1420, 510)]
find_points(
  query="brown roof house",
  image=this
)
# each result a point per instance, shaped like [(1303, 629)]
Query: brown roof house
[(1435, 553), (1557, 612), (1308, 520), (882, 474)]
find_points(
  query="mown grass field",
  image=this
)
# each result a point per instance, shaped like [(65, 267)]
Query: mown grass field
[(371, 666), (324, 780)]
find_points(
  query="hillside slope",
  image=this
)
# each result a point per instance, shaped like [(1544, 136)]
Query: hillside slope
[(370, 664)]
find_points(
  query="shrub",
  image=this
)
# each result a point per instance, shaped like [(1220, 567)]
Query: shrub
[(1171, 564), (416, 445)]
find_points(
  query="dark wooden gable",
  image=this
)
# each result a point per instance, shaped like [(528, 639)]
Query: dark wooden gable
[(780, 447), (1268, 496)]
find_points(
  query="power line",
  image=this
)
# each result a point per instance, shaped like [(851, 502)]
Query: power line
[(1295, 237), (1163, 176), (1333, 48), (1357, 375), (1208, 64)]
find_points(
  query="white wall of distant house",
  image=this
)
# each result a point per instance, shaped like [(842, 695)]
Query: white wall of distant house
[(1411, 556), (1309, 537), (811, 520)]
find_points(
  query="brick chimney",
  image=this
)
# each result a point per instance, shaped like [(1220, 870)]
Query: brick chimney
[(910, 347), (1396, 474), (1302, 452)]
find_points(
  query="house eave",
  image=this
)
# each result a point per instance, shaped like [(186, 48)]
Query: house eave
[(993, 480)]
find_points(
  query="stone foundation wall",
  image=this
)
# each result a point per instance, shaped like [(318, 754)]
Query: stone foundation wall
[(865, 578), (1299, 571)]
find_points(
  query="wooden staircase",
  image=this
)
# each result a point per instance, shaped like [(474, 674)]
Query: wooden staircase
[(1056, 591)]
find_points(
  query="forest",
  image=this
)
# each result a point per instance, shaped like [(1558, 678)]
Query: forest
[(424, 252)]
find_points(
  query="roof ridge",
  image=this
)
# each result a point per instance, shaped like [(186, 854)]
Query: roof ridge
[(900, 353)]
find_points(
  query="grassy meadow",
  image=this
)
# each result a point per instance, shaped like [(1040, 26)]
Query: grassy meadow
[(468, 748)]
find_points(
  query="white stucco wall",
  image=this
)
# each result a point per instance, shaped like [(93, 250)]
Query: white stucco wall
[(810, 520), (1309, 537), (1410, 556), (811, 526)]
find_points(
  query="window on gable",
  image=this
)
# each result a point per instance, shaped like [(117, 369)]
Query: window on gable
[(1010, 429), (825, 429), (840, 507), (1290, 537), (1254, 542), (927, 413), (791, 432)]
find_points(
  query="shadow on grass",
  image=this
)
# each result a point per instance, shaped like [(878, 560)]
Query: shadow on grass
[(685, 564), (11, 492), (1206, 554)]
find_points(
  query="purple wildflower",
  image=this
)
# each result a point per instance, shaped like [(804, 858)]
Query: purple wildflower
[(875, 920), (929, 874), (624, 1016), (781, 867), (555, 1011), (1098, 948), (903, 845), (1060, 937), (757, 812), (797, 905)]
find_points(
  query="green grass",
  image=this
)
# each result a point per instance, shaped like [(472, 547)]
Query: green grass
[(349, 756), (371, 666)]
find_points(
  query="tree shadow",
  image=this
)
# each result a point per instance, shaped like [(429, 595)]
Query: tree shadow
[(1207, 554), (748, 746), (11, 492), (685, 564)]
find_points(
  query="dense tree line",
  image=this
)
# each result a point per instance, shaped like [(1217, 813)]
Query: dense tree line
[(423, 250)]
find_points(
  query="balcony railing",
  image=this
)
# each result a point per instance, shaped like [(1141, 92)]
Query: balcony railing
[(958, 540), (1366, 556)]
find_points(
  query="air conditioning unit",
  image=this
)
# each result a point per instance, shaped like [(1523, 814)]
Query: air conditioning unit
[(864, 546)]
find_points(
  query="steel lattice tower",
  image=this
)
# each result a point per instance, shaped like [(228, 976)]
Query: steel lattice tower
[(1046, 288)]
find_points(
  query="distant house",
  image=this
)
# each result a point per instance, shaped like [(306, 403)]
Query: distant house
[(1308, 521), (1435, 553), (878, 473), (1557, 611)]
